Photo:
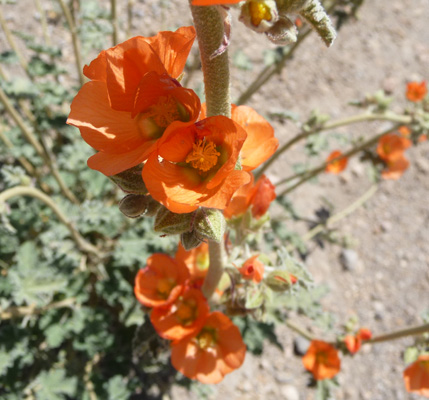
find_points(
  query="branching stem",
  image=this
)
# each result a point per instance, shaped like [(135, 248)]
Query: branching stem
[(37, 194), (75, 40), (364, 117)]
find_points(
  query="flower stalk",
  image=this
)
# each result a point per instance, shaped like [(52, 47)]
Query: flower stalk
[(210, 26)]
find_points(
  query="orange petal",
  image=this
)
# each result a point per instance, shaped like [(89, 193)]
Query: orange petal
[(260, 144), (127, 64), (173, 48), (97, 69), (101, 127)]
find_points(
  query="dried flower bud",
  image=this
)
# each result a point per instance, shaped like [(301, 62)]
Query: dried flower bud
[(130, 181), (314, 13), (282, 32), (189, 240), (259, 15), (172, 223), (133, 205), (209, 224)]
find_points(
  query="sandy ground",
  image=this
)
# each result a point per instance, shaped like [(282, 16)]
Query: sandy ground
[(386, 47)]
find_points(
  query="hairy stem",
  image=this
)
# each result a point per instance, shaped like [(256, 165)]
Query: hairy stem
[(75, 41), (37, 145), (414, 331), (209, 25), (18, 312), (301, 331), (114, 17), (307, 175), (337, 217), (81, 243), (12, 43), (364, 117)]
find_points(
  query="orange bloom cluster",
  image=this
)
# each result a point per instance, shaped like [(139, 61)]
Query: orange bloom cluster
[(336, 163), (205, 346), (391, 149), (416, 91), (322, 360), (256, 197), (354, 343), (416, 376), (135, 111), (252, 269)]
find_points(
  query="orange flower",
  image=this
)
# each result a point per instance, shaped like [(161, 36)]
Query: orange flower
[(404, 131), (338, 164), (258, 197), (194, 165), (395, 168), (416, 376), (260, 143), (215, 351), (416, 91), (252, 269), (161, 282), (132, 97), (422, 138), (391, 147), (322, 360), (213, 2), (185, 317), (353, 343), (197, 260)]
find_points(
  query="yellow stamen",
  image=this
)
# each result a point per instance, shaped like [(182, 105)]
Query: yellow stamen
[(202, 261), (186, 311), (164, 286), (203, 155), (205, 339), (165, 111), (258, 12)]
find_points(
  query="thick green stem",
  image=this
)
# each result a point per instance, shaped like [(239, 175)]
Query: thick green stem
[(214, 274), (209, 24)]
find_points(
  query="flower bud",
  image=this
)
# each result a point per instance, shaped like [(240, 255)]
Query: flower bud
[(189, 240), (282, 32), (254, 298), (314, 13), (280, 280), (171, 223), (209, 224), (133, 205), (130, 181)]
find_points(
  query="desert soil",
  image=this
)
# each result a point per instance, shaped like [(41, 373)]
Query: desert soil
[(388, 288)]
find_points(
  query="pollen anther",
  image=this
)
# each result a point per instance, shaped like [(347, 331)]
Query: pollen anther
[(203, 155)]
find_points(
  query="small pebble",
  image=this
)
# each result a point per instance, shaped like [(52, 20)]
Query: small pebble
[(300, 346)]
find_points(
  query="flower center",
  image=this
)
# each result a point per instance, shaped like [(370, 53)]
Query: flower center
[(205, 339), (186, 311), (203, 155), (160, 115), (202, 261), (258, 12), (321, 357), (164, 286)]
